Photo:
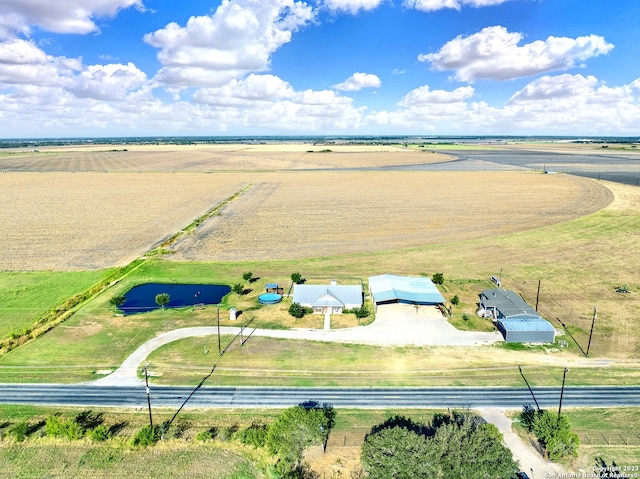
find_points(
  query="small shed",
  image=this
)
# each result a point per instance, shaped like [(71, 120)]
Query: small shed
[(526, 329), (273, 288)]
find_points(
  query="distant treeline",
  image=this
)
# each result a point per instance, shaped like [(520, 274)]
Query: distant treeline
[(386, 139)]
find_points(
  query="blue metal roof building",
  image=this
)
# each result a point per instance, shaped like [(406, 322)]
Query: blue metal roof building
[(388, 288), (526, 329)]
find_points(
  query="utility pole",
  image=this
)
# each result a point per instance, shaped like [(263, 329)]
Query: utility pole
[(146, 380), (564, 376), (593, 322), (219, 346)]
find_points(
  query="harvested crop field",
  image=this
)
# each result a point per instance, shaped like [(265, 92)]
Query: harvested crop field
[(210, 158), (95, 206), (297, 215), (79, 221)]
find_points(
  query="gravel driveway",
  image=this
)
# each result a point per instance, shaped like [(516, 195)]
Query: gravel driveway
[(395, 325)]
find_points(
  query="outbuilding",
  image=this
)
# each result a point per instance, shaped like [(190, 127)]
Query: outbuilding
[(389, 288), (514, 317), (526, 329)]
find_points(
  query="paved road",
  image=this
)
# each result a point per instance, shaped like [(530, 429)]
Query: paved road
[(86, 395)]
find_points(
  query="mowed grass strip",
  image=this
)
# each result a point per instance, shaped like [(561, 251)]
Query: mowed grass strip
[(278, 362), (25, 296)]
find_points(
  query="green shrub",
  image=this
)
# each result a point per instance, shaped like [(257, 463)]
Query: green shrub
[(147, 436), (253, 435), (297, 310), (207, 435), (19, 431), (57, 426), (99, 433), (455, 300), (227, 433)]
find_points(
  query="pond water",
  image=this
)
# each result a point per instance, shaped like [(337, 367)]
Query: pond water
[(142, 298)]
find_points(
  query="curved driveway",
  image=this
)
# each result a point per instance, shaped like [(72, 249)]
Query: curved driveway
[(395, 325)]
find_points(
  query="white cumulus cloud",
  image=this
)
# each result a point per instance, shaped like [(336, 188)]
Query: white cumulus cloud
[(433, 5), (352, 6), (238, 38), (22, 62), (60, 16), (358, 81), (494, 53), (112, 82), (425, 96)]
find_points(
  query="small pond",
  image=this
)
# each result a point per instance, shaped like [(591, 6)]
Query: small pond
[(142, 298)]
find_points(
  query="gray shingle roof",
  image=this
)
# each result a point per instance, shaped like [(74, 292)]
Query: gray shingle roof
[(507, 302)]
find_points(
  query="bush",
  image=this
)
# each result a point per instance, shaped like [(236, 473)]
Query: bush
[(238, 288), (147, 436), (553, 433), (297, 310), (99, 433), (19, 431), (361, 312), (253, 435), (455, 300), (247, 276), (438, 278), (227, 433), (207, 435), (57, 426)]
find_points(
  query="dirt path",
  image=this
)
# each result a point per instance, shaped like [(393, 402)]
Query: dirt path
[(529, 458)]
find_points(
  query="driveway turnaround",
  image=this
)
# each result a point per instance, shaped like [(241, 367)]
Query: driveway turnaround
[(395, 325)]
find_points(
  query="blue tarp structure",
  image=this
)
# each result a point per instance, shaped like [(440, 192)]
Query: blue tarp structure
[(388, 288)]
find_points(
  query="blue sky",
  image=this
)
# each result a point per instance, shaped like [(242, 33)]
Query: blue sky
[(327, 67)]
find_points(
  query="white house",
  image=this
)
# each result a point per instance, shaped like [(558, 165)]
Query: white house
[(332, 299)]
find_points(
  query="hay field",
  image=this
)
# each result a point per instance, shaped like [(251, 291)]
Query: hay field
[(304, 202), (210, 158), (298, 215), (80, 221)]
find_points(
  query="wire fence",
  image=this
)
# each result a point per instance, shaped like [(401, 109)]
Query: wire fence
[(622, 437)]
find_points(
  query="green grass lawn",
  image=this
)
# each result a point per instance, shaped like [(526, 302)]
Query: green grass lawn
[(25, 296)]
